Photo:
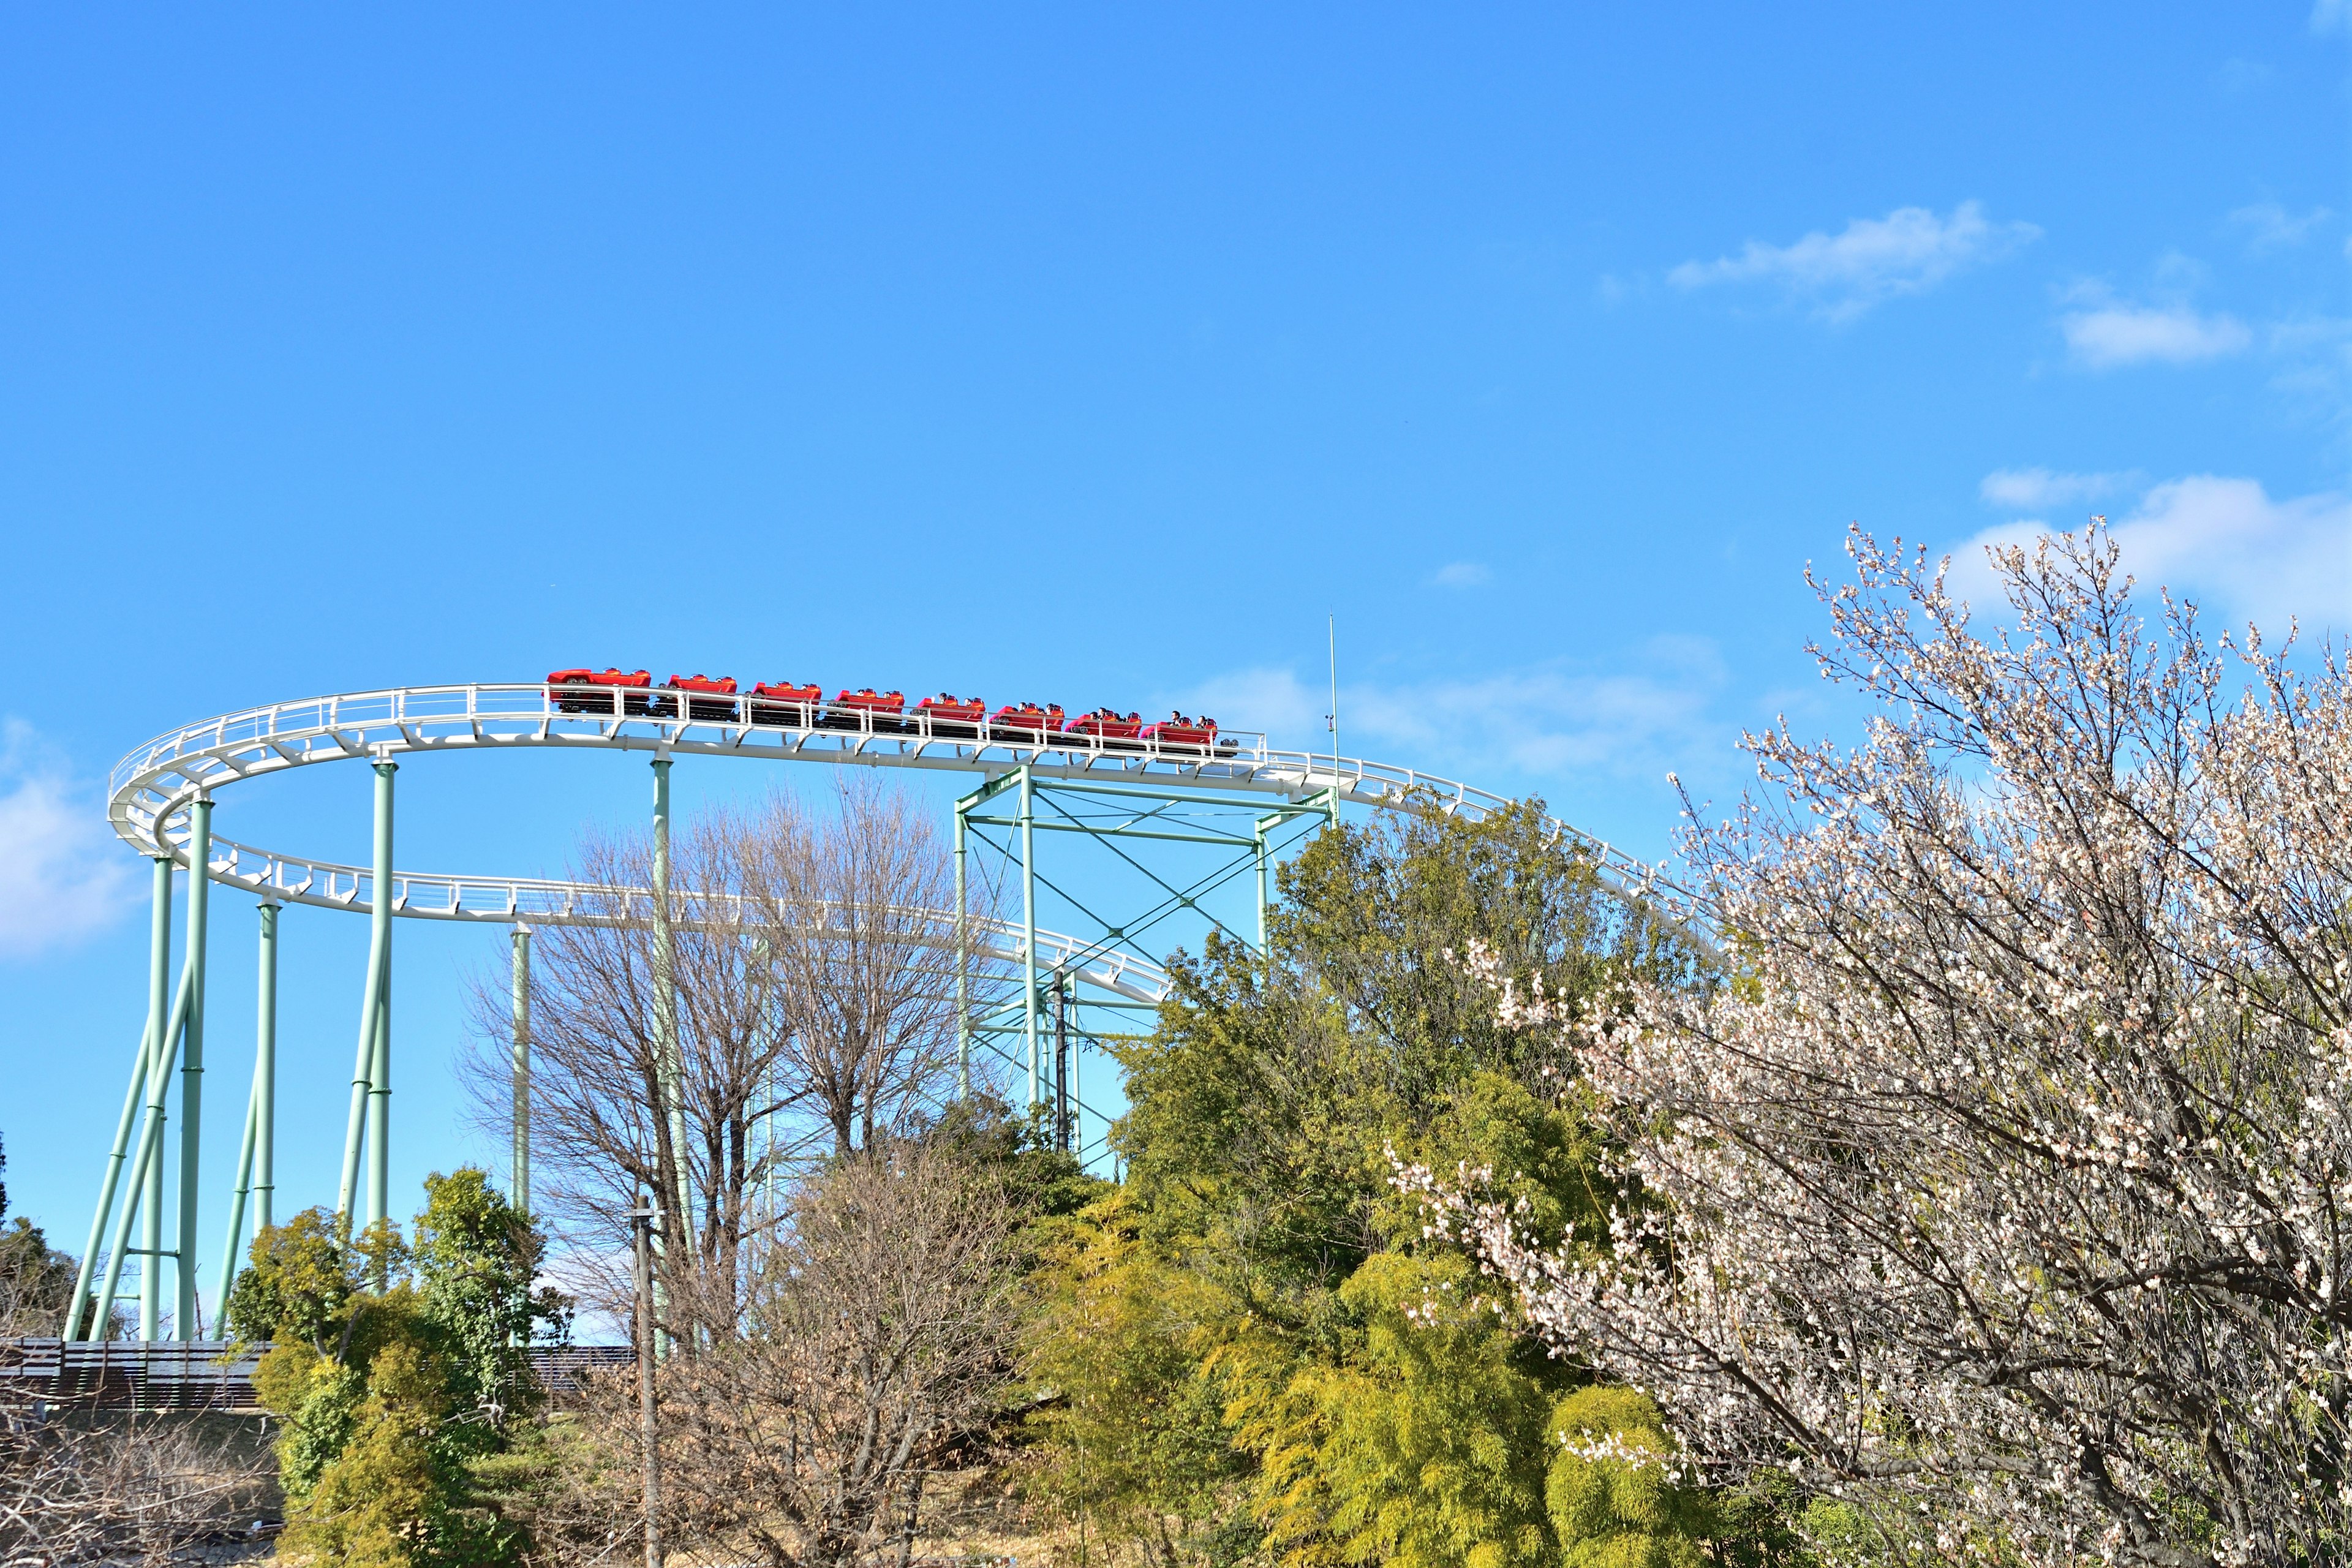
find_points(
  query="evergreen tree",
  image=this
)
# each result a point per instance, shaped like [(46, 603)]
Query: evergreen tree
[(394, 1397), (1250, 1350)]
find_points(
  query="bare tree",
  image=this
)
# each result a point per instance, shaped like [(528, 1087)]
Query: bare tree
[(2004, 1189), (868, 995), (880, 1330), (814, 968), (75, 1487)]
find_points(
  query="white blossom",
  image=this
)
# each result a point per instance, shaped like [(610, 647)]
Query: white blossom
[(2005, 1180)]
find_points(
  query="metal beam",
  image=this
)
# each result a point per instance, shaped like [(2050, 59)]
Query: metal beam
[(371, 1013), (519, 1177), (192, 1071)]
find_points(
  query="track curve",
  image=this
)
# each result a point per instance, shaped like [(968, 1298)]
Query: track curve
[(151, 789)]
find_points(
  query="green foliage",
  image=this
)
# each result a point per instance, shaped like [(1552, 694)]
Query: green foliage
[(36, 1281), (1131, 1405), (396, 1390), (475, 1256), (297, 1284), (1621, 1509), (1250, 1349)]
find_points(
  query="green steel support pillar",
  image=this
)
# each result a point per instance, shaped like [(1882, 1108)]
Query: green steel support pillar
[(192, 1068), (372, 1012), (148, 1161), (151, 1191), (160, 963), (253, 1159), (236, 1209), (519, 1180), (1029, 925), (265, 1079), (963, 968), (1265, 889)]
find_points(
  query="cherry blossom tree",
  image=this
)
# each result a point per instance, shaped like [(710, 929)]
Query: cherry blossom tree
[(2002, 1187)]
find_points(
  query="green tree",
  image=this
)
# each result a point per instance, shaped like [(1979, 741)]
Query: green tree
[(1254, 1346), (394, 1398), (1252, 1350)]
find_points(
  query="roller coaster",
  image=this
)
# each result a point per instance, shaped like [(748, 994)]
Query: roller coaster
[(1133, 787)]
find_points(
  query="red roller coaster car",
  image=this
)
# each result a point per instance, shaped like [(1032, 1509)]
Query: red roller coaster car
[(794, 707), (881, 711), (955, 717), (1117, 731), (702, 690), (1027, 723), (575, 698), (714, 699), (1176, 732)]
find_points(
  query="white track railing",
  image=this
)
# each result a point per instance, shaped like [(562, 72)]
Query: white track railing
[(149, 789), (541, 901)]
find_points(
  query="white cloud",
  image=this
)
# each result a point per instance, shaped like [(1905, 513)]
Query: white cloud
[(62, 874), (1513, 728), (2222, 542), (2042, 487), (1462, 575), (2111, 335), (2331, 15), (2269, 225), (1909, 251)]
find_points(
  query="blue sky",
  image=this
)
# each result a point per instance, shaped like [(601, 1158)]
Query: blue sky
[(1086, 354)]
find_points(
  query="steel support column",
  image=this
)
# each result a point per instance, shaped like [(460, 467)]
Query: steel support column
[(519, 1179), (253, 1159), (265, 1078), (159, 979), (963, 966), (372, 1019), (1264, 887), (1029, 927), (151, 1191), (146, 1163), (192, 1069)]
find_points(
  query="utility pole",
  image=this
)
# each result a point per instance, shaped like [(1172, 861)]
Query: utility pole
[(641, 1231)]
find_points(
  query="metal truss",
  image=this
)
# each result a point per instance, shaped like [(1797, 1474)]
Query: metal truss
[(1242, 836)]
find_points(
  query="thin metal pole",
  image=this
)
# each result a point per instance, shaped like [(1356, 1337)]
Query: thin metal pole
[(1334, 630), (140, 1068), (963, 967), (641, 1226), (1029, 926), (264, 1077), (518, 1182), (191, 1067), (672, 1073), (371, 1011)]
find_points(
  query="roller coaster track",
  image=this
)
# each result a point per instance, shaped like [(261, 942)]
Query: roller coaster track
[(149, 790)]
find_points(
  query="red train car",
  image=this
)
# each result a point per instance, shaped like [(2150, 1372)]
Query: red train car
[(880, 711), (575, 690), (794, 707), (957, 717), (703, 694), (1117, 730), (1028, 722), (1178, 734)]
